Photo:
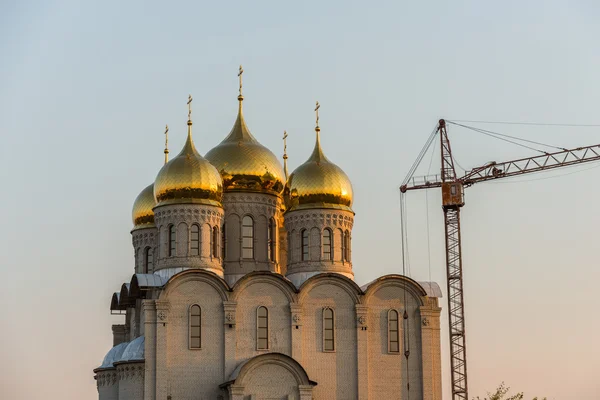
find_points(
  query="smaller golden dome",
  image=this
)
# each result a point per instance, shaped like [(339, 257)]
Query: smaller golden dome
[(188, 178), (244, 163), (142, 214), (319, 183)]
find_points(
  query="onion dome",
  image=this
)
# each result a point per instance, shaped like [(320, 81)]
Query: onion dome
[(113, 355), (142, 214), (188, 178), (319, 183), (245, 164), (134, 351)]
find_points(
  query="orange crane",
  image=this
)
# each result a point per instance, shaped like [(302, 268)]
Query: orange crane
[(452, 200)]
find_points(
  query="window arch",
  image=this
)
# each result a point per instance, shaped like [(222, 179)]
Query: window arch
[(328, 329), (195, 240), (346, 246), (262, 328), (393, 334), (247, 237), (305, 253), (215, 242), (172, 240), (327, 244), (149, 260), (271, 240), (195, 327)]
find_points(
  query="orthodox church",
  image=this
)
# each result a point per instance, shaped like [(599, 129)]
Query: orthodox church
[(243, 288)]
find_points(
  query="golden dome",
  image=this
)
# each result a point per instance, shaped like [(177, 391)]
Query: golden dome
[(319, 183), (142, 214), (188, 178), (245, 164)]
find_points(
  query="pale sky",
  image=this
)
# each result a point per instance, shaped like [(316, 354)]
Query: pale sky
[(86, 89)]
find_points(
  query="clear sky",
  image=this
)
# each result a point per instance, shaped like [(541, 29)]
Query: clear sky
[(87, 87)]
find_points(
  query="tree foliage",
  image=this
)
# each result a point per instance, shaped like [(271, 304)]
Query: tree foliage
[(501, 393)]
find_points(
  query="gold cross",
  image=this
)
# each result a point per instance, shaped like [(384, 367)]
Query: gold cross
[(240, 75), (189, 103), (317, 111)]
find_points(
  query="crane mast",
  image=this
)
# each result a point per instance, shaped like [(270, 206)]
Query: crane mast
[(452, 201)]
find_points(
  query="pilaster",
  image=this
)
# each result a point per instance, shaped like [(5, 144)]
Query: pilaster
[(149, 307), (229, 319), (296, 339), (430, 344), (362, 351), (162, 373)]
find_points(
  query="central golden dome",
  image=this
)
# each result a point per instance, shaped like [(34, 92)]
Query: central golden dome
[(142, 214), (188, 178), (319, 183), (244, 163)]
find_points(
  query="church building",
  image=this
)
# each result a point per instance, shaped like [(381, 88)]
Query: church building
[(243, 288)]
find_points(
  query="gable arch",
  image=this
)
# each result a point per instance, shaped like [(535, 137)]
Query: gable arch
[(403, 282), (196, 275), (349, 286), (244, 370), (283, 284)]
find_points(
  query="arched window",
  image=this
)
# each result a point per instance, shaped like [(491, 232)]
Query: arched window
[(346, 246), (195, 241), (223, 242), (327, 244), (149, 261), (271, 239), (393, 338), (304, 244), (195, 328), (262, 328), (215, 242), (328, 330), (172, 237), (247, 237)]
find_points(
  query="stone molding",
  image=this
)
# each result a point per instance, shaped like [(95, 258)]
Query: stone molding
[(306, 219), (133, 371), (108, 377), (229, 311)]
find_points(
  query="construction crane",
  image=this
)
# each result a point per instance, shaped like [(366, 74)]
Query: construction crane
[(452, 201)]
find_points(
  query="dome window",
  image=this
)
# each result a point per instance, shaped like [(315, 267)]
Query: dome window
[(195, 240), (327, 242), (247, 237), (305, 245)]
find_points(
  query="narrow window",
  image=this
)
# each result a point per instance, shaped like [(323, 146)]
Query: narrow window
[(328, 330), (327, 244), (247, 237), (171, 240), (149, 261), (393, 339), (289, 246), (347, 246), (195, 241), (195, 327), (304, 244), (262, 328), (223, 242), (271, 239), (215, 242)]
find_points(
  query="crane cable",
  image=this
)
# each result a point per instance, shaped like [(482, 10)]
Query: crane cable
[(405, 249), (503, 137), (422, 153), (525, 123)]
